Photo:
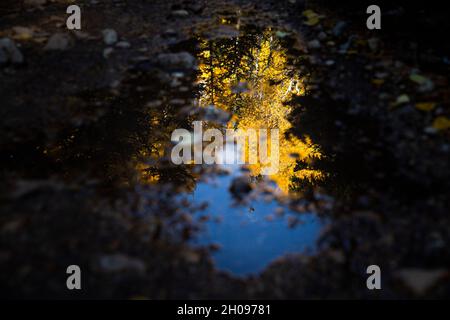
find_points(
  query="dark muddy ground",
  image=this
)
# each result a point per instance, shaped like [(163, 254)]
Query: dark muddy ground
[(85, 126)]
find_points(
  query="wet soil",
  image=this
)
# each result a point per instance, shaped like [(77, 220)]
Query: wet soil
[(86, 178)]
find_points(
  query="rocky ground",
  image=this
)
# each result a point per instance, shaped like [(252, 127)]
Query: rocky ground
[(74, 109)]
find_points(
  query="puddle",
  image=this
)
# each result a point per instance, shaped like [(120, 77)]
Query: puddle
[(250, 235), (244, 80)]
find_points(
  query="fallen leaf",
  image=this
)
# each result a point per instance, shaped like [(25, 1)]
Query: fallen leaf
[(417, 78), (312, 21), (425, 106), (22, 33), (424, 83), (441, 123), (309, 13)]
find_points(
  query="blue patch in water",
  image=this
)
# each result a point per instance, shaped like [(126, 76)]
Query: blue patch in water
[(248, 241)]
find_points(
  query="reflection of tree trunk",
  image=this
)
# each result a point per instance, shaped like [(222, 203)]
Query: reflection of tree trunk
[(237, 60), (269, 58), (236, 46)]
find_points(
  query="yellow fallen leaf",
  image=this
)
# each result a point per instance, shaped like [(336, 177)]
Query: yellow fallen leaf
[(425, 106), (417, 78), (309, 13), (22, 33), (312, 21), (441, 123)]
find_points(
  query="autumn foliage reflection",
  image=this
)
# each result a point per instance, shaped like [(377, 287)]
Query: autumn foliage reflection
[(249, 76)]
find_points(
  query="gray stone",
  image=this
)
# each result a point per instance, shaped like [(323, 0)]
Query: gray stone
[(339, 27), (314, 44), (120, 262), (10, 52), (322, 36), (109, 36), (123, 44), (177, 60), (107, 52), (180, 13), (58, 41)]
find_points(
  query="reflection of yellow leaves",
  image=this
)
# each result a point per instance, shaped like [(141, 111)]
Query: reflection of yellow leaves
[(441, 123), (425, 106), (262, 106)]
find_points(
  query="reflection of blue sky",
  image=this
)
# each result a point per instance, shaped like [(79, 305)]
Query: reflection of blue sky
[(249, 242)]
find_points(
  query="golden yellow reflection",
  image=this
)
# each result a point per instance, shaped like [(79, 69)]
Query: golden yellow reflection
[(249, 76)]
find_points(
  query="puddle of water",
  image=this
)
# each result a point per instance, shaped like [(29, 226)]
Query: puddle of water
[(250, 235), (246, 74)]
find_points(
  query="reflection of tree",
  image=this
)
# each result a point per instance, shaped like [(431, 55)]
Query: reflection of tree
[(153, 148), (258, 62)]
